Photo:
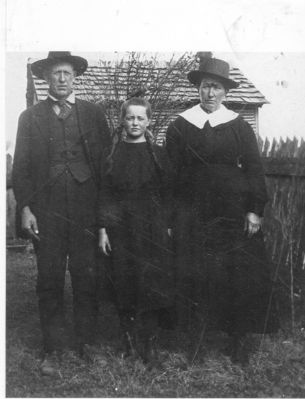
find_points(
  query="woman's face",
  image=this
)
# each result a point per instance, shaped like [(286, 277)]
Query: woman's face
[(135, 123), (211, 93)]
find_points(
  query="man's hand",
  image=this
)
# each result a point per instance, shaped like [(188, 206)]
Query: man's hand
[(29, 223), (252, 223), (103, 242)]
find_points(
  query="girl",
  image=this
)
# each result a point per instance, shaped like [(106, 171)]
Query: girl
[(134, 230)]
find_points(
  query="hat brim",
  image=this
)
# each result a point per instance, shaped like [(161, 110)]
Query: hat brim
[(195, 78), (79, 64)]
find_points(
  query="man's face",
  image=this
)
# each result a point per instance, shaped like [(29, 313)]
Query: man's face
[(60, 78)]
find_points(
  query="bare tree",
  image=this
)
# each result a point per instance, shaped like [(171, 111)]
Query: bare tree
[(141, 75)]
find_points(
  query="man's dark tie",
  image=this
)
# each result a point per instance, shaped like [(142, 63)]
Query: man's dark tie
[(65, 109)]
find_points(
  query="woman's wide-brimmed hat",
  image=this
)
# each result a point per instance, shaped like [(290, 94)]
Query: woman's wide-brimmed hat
[(79, 64), (214, 68)]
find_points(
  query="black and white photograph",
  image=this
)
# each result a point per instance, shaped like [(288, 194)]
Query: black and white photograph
[(155, 199)]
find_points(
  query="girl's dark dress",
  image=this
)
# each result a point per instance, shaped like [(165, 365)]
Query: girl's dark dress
[(133, 208), (223, 276)]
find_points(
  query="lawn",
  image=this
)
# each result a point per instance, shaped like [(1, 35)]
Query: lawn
[(276, 370)]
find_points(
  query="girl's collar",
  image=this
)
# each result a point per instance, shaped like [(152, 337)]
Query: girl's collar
[(198, 117)]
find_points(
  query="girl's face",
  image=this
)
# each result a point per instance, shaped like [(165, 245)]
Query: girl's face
[(135, 123)]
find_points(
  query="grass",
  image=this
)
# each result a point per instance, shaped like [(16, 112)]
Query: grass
[(276, 370)]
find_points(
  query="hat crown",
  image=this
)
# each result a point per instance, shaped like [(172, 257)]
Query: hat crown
[(58, 54), (214, 66)]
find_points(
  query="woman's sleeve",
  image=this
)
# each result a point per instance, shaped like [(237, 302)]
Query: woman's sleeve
[(174, 146), (167, 189), (253, 168)]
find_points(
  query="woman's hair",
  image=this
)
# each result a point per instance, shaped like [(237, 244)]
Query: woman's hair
[(118, 134), (225, 85)]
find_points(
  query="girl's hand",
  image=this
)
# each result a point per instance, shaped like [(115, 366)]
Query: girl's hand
[(252, 223), (29, 223), (103, 242)]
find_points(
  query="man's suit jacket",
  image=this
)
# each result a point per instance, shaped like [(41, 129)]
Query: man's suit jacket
[(31, 159)]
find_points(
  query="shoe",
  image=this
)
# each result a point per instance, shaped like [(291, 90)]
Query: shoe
[(128, 334), (239, 351), (148, 352), (87, 352), (241, 357), (50, 365), (128, 345)]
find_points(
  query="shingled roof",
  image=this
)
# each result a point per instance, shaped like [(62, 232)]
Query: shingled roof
[(104, 83)]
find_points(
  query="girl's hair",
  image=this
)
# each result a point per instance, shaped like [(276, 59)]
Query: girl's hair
[(118, 134), (136, 101)]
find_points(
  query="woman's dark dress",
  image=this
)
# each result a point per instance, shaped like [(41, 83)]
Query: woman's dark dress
[(223, 276), (133, 208)]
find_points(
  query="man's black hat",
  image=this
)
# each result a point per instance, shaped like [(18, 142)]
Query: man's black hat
[(79, 64)]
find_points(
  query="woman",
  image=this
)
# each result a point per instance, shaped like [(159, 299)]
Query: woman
[(134, 228), (223, 269)]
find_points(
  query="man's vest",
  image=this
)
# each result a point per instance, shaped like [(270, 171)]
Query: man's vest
[(66, 149)]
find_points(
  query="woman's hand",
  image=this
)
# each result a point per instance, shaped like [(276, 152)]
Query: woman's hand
[(103, 242), (170, 232), (252, 223)]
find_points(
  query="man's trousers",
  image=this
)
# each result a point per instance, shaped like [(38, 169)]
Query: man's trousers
[(67, 240)]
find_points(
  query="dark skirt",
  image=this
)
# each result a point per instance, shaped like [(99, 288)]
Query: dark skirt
[(223, 277), (140, 267)]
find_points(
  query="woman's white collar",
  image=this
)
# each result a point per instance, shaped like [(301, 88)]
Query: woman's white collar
[(198, 117)]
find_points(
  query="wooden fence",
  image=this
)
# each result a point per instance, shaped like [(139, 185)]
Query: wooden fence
[(284, 223)]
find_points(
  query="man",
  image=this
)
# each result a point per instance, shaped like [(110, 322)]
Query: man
[(55, 180)]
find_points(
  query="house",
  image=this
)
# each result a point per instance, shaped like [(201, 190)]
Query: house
[(166, 85)]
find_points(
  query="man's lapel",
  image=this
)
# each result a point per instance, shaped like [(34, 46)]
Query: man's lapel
[(42, 118), (84, 117), (85, 120)]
